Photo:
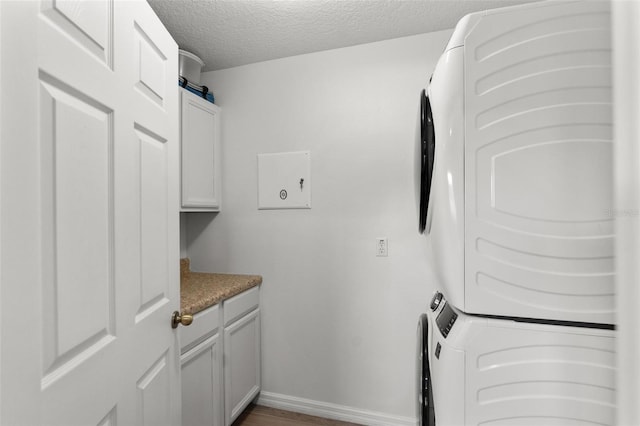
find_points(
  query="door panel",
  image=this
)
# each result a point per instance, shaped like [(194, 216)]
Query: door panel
[(89, 191), (77, 223), (109, 419), (152, 132), (153, 204), (89, 23), (153, 399), (150, 68)]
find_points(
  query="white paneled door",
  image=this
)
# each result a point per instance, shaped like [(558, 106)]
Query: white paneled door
[(89, 215)]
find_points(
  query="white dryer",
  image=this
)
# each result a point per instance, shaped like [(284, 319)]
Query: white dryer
[(483, 371), (517, 153)]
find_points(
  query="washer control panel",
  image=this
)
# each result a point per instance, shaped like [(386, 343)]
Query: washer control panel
[(445, 319)]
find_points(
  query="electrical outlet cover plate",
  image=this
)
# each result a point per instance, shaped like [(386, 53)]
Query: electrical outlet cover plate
[(284, 180), (382, 248)]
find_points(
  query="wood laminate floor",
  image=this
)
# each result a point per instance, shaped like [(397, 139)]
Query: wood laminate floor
[(257, 415)]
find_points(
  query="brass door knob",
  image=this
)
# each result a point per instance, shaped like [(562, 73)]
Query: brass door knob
[(184, 319)]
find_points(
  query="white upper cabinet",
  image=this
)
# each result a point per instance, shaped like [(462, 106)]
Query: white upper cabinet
[(200, 154)]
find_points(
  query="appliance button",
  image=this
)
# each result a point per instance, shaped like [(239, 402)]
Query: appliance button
[(435, 301)]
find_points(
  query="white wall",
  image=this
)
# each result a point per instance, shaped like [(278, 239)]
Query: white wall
[(339, 323), (626, 109)]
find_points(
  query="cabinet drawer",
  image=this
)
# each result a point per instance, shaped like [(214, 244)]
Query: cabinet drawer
[(241, 304), (205, 323)]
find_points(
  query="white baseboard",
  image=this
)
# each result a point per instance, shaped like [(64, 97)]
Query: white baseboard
[(331, 411)]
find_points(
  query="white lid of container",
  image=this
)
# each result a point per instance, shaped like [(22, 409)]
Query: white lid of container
[(191, 56)]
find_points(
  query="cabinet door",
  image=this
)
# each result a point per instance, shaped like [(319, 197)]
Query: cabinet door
[(241, 364), (200, 152), (202, 385)]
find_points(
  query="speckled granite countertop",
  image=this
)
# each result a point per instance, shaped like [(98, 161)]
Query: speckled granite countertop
[(200, 290)]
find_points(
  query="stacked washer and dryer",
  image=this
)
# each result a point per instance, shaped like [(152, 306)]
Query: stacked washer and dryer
[(516, 203)]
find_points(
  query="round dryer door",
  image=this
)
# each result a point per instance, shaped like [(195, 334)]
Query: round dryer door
[(425, 409), (427, 150)]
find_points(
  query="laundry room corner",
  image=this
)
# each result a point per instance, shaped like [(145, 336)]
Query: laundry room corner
[(356, 111)]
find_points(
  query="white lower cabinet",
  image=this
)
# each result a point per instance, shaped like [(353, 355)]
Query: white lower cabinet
[(242, 364), (202, 384), (221, 361), (201, 365)]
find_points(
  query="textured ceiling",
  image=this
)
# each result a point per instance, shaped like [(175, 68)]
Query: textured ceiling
[(229, 33)]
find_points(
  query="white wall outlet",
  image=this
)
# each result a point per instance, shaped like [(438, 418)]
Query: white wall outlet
[(381, 247)]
